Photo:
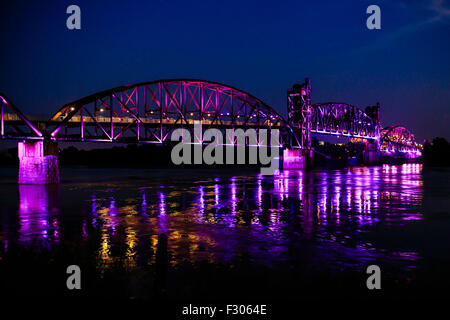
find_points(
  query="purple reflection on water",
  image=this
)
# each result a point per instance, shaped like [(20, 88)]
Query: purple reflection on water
[(201, 199), (232, 215), (163, 222), (144, 203), (38, 213), (94, 210), (259, 194), (233, 196), (216, 195)]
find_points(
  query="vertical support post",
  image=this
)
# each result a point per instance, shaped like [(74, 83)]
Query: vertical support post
[(161, 104), (3, 122), (183, 101), (111, 115), (216, 107), (121, 106), (232, 108), (81, 123), (137, 101), (137, 114), (201, 100), (145, 102)]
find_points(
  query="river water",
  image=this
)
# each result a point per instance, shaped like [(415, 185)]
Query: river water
[(229, 224)]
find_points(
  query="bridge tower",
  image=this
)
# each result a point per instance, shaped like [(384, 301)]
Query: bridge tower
[(299, 110), (372, 154)]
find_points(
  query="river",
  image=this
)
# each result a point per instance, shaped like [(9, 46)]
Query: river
[(229, 231)]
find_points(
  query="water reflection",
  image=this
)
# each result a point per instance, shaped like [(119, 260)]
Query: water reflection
[(38, 213), (221, 217)]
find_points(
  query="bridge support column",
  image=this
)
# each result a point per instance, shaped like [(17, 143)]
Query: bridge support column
[(297, 158), (38, 162), (372, 154)]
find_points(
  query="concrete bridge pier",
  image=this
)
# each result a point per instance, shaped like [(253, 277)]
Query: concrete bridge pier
[(38, 162), (297, 158), (372, 154)]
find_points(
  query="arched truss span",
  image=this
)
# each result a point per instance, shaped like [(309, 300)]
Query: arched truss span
[(398, 139), (342, 119), (14, 124), (150, 111)]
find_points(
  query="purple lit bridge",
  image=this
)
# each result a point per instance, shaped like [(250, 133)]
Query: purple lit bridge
[(149, 112)]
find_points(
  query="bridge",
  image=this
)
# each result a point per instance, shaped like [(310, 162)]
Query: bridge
[(149, 112)]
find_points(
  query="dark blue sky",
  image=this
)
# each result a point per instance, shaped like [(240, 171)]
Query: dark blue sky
[(262, 47)]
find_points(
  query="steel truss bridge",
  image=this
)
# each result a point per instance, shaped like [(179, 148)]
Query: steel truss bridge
[(398, 139), (149, 112)]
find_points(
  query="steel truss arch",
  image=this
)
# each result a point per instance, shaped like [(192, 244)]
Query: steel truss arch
[(398, 139), (14, 124), (148, 112)]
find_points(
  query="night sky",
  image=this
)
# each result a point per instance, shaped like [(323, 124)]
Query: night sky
[(262, 47)]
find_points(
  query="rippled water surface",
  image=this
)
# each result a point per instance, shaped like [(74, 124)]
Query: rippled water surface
[(341, 219)]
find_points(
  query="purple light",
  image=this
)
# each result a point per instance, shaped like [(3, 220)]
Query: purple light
[(38, 210)]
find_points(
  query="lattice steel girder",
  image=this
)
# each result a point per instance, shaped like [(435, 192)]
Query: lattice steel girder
[(344, 119), (150, 111), (398, 138)]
